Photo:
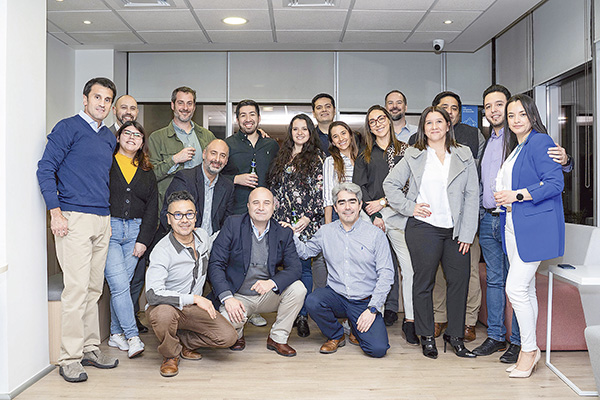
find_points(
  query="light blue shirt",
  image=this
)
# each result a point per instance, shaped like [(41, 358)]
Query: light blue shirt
[(189, 140), (359, 261), (91, 121), (406, 132), (255, 230)]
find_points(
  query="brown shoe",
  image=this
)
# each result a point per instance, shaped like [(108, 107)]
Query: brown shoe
[(169, 367), (353, 340), (239, 345), (188, 354), (332, 345), (469, 333), (439, 328), (283, 349)]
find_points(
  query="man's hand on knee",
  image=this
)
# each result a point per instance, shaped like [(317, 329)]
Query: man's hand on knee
[(206, 305), (364, 322), (235, 309)]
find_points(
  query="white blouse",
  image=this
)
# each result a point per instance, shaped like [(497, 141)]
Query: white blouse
[(330, 178), (434, 190)]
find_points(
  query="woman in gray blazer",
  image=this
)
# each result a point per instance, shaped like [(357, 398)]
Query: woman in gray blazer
[(442, 204)]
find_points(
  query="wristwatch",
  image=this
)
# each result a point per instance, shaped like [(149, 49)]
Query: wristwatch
[(373, 310), (383, 202), (520, 196)]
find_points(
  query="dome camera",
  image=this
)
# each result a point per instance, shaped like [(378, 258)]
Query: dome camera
[(438, 45)]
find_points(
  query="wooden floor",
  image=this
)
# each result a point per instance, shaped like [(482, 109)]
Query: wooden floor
[(348, 374)]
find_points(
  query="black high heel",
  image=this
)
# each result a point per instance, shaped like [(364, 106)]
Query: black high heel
[(457, 344), (429, 349)]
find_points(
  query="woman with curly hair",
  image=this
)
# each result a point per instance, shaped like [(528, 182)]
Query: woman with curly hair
[(296, 180)]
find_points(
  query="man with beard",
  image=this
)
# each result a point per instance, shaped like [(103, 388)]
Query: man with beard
[(323, 107), (395, 103), (212, 195), (125, 109), (179, 145)]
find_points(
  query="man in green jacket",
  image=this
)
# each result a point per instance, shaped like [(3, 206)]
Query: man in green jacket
[(179, 145)]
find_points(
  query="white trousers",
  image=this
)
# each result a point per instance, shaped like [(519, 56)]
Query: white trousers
[(520, 288)]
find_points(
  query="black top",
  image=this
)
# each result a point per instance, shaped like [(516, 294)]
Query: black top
[(324, 142), (138, 199), (241, 153)]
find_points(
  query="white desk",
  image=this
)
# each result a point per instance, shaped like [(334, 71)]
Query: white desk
[(587, 280)]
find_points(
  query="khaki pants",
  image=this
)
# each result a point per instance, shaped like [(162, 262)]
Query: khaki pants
[(287, 305), (191, 326), (82, 257), (473, 298)]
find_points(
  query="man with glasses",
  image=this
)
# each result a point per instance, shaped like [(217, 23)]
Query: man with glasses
[(125, 109), (182, 319), (323, 108)]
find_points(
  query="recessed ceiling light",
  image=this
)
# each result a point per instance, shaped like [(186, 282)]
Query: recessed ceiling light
[(448, 21), (60, 1), (235, 20), (267, 108), (87, 22)]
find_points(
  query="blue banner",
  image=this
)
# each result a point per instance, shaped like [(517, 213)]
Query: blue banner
[(469, 116)]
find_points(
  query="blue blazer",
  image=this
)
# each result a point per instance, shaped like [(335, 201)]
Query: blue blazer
[(231, 250), (539, 223)]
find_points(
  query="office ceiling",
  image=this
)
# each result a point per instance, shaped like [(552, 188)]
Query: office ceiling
[(355, 25)]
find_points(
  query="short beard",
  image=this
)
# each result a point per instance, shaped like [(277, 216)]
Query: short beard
[(397, 117)]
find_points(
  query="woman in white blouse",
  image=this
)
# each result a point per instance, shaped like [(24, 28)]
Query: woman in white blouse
[(442, 204), (338, 167)]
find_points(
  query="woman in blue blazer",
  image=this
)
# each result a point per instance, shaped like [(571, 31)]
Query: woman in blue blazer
[(534, 224)]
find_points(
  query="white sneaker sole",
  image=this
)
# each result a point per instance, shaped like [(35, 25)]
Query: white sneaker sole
[(112, 343)]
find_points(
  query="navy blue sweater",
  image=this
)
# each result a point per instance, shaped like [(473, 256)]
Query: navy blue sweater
[(74, 171)]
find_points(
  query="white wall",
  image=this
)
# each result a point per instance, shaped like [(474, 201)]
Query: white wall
[(60, 85), (514, 58), (90, 64), (23, 299), (469, 74)]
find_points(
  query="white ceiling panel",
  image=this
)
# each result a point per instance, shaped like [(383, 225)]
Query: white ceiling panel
[(158, 20), (384, 20), (297, 18), (429, 37), (415, 5), (434, 21), (229, 4), (73, 21), (50, 27), (76, 5), (308, 36), (119, 5), (339, 5), (66, 39), (181, 37), (375, 37), (95, 38), (213, 19), (462, 5), (241, 36)]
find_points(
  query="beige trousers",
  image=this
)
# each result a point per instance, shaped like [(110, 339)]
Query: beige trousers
[(473, 297), (287, 305), (82, 257)]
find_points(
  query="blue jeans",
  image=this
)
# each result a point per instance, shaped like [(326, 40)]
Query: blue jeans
[(496, 264), (325, 306), (120, 266), (307, 280)]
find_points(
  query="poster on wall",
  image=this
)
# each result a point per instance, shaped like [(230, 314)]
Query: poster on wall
[(469, 116)]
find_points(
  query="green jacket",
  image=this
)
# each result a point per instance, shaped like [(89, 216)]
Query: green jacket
[(163, 144)]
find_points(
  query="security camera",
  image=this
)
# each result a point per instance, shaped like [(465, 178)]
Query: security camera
[(438, 45)]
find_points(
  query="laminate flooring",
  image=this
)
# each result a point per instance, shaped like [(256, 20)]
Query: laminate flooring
[(257, 373)]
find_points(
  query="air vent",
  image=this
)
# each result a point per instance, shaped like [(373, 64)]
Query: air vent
[(309, 3), (146, 3)]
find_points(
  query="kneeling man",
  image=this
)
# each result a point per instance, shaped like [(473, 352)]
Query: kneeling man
[(181, 318), (359, 265), (254, 268)]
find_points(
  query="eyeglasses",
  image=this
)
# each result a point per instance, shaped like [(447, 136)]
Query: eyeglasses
[(136, 135), (178, 216), (381, 120)]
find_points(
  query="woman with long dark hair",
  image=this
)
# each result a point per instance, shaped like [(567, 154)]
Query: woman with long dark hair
[(528, 186), (381, 153), (442, 204), (134, 216), (296, 180), (339, 166)]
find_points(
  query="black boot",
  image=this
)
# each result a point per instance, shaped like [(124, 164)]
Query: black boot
[(429, 349), (457, 344), (302, 324)]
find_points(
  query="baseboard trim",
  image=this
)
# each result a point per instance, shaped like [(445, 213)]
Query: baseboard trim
[(27, 384)]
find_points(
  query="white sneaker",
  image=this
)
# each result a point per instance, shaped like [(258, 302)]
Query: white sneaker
[(136, 346), (118, 340), (257, 320)]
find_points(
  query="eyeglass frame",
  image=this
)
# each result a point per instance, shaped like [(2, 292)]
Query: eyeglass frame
[(373, 122), (187, 215), (137, 135)]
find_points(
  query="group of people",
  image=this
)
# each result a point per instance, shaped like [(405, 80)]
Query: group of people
[(332, 225)]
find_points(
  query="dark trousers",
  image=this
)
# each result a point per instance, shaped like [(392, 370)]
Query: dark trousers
[(325, 306), (428, 245)]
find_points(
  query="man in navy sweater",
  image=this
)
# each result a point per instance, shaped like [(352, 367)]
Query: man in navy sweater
[(73, 175)]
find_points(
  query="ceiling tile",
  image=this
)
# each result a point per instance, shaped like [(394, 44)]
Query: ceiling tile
[(241, 36), (118, 5), (429, 37), (164, 19), (291, 19), (69, 5), (50, 27), (434, 21), (375, 5), (106, 37), (384, 20), (66, 38), (311, 36), (283, 5), (375, 36), (230, 4), (190, 37), (73, 21), (213, 19), (462, 5)]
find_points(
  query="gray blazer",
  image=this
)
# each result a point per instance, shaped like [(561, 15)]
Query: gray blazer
[(463, 188)]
